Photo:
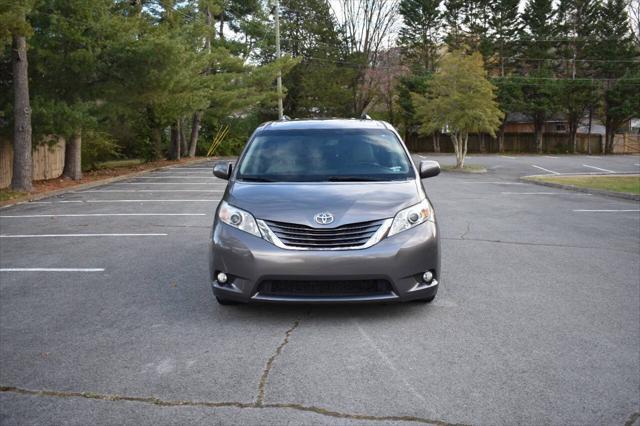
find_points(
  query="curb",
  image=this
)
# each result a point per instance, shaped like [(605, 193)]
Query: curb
[(623, 195), (55, 193)]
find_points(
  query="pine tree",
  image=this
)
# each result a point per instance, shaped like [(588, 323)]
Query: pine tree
[(16, 29), (505, 24), (536, 34), (616, 54), (539, 90), (420, 34)]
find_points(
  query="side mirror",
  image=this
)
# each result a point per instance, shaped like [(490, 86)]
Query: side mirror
[(429, 169), (223, 170)]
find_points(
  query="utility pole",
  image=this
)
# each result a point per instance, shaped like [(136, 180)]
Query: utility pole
[(279, 78)]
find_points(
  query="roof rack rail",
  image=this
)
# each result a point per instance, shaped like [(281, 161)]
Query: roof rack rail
[(365, 116), (285, 118)]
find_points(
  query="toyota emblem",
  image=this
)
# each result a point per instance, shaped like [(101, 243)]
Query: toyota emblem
[(323, 218)]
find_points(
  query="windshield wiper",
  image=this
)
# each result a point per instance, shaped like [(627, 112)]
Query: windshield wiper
[(256, 179), (354, 179)]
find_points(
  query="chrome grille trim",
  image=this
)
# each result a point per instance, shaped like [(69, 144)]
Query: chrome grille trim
[(346, 237)]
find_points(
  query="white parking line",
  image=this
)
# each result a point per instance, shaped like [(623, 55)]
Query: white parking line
[(598, 168), (147, 190), (606, 211), (51, 202), (51, 269), (101, 215), (127, 201), (177, 177), (551, 156), (546, 170), (495, 183), (508, 156), (168, 183), (201, 200), (540, 193), (191, 168), (77, 235)]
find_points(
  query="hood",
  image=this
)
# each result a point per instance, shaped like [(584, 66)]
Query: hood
[(348, 202)]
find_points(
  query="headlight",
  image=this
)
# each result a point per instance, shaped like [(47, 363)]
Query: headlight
[(410, 217), (237, 218)]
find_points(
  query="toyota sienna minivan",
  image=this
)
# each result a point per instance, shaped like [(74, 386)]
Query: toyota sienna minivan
[(324, 211)]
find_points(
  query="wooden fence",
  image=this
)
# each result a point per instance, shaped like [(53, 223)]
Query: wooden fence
[(626, 144), (513, 142), (48, 161)]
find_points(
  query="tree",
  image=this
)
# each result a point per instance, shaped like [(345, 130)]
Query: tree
[(540, 94), (616, 53), (510, 99), (453, 18), (15, 27), (536, 34), (366, 24), (505, 24), (318, 85), (573, 100), (460, 100), (420, 35)]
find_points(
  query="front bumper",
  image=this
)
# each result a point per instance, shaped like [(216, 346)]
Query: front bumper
[(249, 261)]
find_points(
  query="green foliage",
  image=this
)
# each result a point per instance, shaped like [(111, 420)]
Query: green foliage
[(12, 19), (97, 147), (420, 33), (460, 98)]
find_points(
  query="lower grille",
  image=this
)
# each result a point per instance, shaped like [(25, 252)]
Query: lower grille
[(337, 288), (351, 235)]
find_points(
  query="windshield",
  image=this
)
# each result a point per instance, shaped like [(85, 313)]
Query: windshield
[(325, 155)]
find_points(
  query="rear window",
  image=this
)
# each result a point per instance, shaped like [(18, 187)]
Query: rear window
[(325, 155)]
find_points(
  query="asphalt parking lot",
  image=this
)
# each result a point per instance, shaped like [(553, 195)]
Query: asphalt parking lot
[(537, 320)]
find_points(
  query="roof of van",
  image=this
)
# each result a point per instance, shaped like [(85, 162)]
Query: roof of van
[(329, 123)]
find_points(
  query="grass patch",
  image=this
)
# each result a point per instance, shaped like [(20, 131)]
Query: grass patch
[(119, 163), (628, 184), (6, 194), (469, 168)]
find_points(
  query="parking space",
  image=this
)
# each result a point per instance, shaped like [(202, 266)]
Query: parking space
[(522, 165), (106, 313)]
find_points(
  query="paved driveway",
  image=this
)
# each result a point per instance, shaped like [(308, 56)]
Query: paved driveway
[(537, 320)]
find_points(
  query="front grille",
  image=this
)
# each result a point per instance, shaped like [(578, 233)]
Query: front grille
[(337, 288), (303, 236)]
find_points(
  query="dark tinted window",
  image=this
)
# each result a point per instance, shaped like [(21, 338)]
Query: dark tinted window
[(325, 155)]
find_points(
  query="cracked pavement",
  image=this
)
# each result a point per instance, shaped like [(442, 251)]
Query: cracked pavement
[(537, 320)]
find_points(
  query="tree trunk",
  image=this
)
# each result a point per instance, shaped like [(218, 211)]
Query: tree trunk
[(589, 131), (22, 160), (156, 142), (456, 147), (195, 129), (73, 157), (183, 139), (222, 25), (175, 142), (483, 144), (573, 130), (460, 147), (501, 138), (539, 128), (436, 141), (465, 137)]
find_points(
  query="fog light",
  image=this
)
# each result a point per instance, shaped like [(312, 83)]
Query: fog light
[(427, 277), (222, 277)]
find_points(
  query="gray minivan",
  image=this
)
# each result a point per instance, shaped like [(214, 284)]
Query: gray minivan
[(324, 211)]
